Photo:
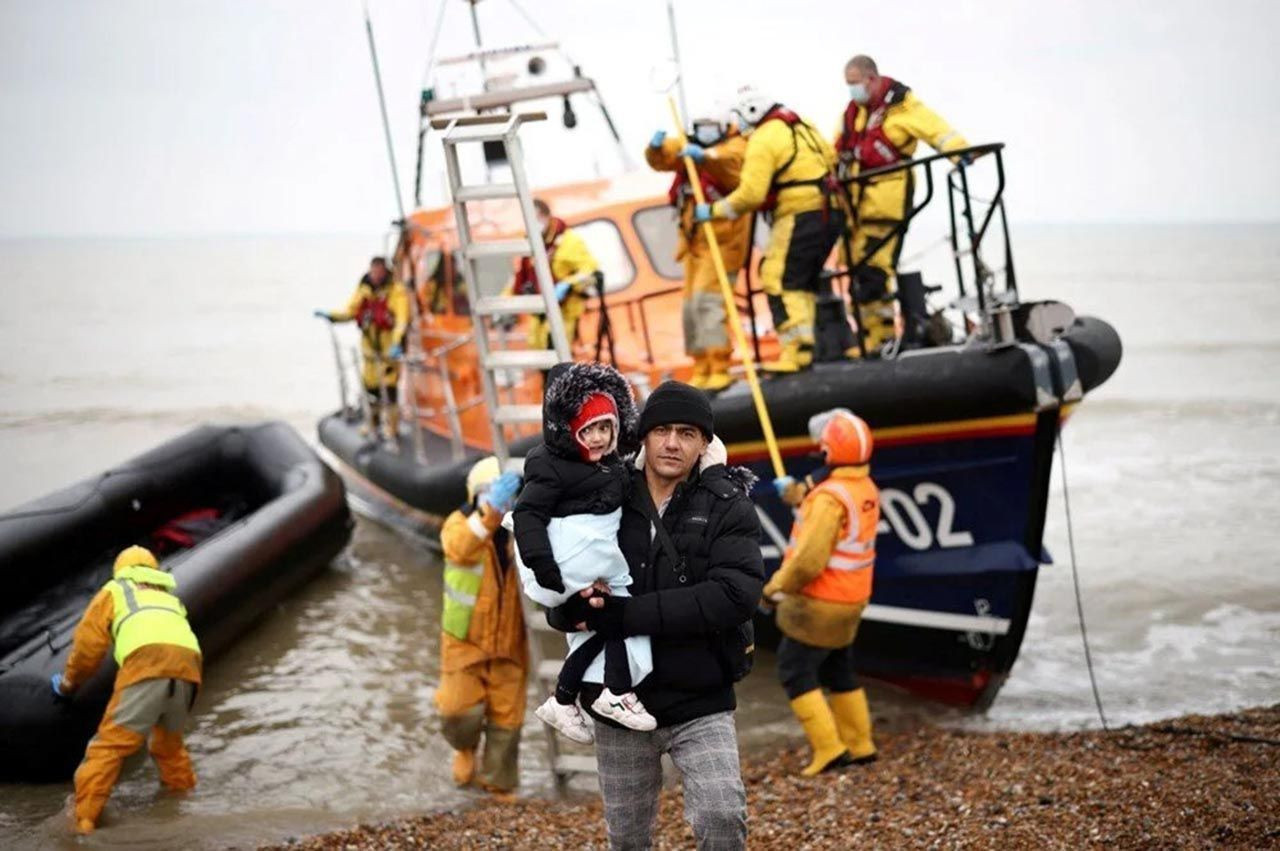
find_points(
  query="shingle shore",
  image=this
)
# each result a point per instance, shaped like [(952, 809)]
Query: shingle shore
[(1183, 783)]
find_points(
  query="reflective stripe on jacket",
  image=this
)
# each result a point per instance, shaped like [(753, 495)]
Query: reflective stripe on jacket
[(146, 611)]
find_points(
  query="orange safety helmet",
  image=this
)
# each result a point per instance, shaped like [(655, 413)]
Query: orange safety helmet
[(843, 435)]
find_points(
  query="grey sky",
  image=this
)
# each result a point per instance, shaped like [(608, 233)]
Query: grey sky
[(131, 117)]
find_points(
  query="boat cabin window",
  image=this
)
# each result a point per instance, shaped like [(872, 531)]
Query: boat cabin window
[(657, 228), (605, 241), (495, 273)]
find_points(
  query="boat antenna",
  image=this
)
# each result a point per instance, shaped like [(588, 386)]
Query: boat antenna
[(386, 124), (428, 94), (675, 55), (623, 154)]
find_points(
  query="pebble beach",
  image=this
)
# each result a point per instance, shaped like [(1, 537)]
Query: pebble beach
[(1196, 781)]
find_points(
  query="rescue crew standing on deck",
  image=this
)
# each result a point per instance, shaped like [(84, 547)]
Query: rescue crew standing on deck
[(380, 306), (159, 664), (787, 172), (718, 148), (573, 268), (484, 656), (821, 589), (882, 125)]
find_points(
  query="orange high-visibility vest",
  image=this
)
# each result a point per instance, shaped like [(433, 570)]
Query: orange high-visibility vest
[(847, 576)]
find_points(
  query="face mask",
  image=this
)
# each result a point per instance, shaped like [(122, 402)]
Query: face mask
[(858, 93), (706, 134)]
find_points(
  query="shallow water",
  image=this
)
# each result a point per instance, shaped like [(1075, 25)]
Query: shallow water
[(322, 714)]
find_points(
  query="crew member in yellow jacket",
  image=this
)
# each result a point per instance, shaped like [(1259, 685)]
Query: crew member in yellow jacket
[(484, 654), (380, 306), (882, 125), (138, 612), (787, 171), (573, 269), (820, 590), (718, 148)]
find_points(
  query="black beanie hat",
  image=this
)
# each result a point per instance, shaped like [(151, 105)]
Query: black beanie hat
[(676, 402)]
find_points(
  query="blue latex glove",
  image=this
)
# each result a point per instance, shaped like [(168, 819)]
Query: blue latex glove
[(395, 351), (697, 152), (702, 213), (782, 484), (658, 138), (321, 314), (562, 290), (501, 495), (56, 682)]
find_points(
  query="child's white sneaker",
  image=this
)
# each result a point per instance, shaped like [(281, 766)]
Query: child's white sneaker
[(626, 709), (567, 720)]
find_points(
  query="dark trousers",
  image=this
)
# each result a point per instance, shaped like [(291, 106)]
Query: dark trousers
[(803, 668), (617, 670)]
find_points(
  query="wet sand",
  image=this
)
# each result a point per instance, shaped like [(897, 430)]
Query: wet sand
[(1193, 782)]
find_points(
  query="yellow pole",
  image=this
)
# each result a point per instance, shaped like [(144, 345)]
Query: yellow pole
[(726, 292)]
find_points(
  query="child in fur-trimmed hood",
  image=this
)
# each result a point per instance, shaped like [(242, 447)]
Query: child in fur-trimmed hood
[(566, 530)]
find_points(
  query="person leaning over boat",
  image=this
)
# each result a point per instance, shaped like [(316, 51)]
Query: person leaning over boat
[(717, 147), (138, 614), (693, 604), (882, 125), (787, 172), (380, 307), (573, 268), (484, 656), (821, 589)]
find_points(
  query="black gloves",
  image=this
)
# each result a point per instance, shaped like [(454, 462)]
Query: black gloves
[(607, 621)]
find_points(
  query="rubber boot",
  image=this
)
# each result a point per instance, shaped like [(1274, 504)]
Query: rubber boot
[(820, 727), (701, 365), (853, 720), (464, 767), (718, 377), (788, 359)]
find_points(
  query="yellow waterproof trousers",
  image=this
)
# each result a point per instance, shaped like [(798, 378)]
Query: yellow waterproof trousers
[(487, 698), (158, 706)]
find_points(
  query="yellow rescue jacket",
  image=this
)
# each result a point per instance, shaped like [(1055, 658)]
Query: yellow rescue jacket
[(905, 121), (781, 153), (481, 598), (139, 614), (826, 573), (723, 167), (383, 313)]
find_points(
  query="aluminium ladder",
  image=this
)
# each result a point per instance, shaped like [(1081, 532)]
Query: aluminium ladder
[(488, 309)]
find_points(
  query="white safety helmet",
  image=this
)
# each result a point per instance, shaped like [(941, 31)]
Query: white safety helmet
[(751, 105)]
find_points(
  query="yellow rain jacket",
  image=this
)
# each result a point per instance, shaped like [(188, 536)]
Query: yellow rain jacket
[(383, 316), (496, 624), (905, 121), (570, 261), (770, 147), (722, 167), (824, 522)]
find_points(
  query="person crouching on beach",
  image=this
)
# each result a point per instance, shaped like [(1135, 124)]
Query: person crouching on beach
[(566, 530)]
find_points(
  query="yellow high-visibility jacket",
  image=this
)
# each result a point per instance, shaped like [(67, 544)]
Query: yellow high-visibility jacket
[(723, 165), (769, 147), (906, 123)]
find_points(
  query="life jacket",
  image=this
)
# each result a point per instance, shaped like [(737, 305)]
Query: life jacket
[(798, 128), (847, 576), (679, 194), (870, 147), (147, 612), (374, 311), (526, 282)]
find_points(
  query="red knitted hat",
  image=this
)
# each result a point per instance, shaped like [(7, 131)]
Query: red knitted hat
[(598, 406)]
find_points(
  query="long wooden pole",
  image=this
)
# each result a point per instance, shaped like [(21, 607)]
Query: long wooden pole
[(726, 292)]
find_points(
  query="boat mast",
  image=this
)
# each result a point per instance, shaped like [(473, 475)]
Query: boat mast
[(386, 124), (675, 55)]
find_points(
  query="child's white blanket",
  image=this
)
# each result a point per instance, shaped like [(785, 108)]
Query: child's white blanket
[(585, 547)]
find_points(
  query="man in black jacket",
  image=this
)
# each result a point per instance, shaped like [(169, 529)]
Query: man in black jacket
[(691, 609)]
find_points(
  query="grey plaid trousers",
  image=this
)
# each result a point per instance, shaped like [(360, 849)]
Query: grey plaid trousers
[(704, 750)]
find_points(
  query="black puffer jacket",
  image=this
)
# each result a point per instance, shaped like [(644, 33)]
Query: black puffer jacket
[(557, 482), (714, 527)]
